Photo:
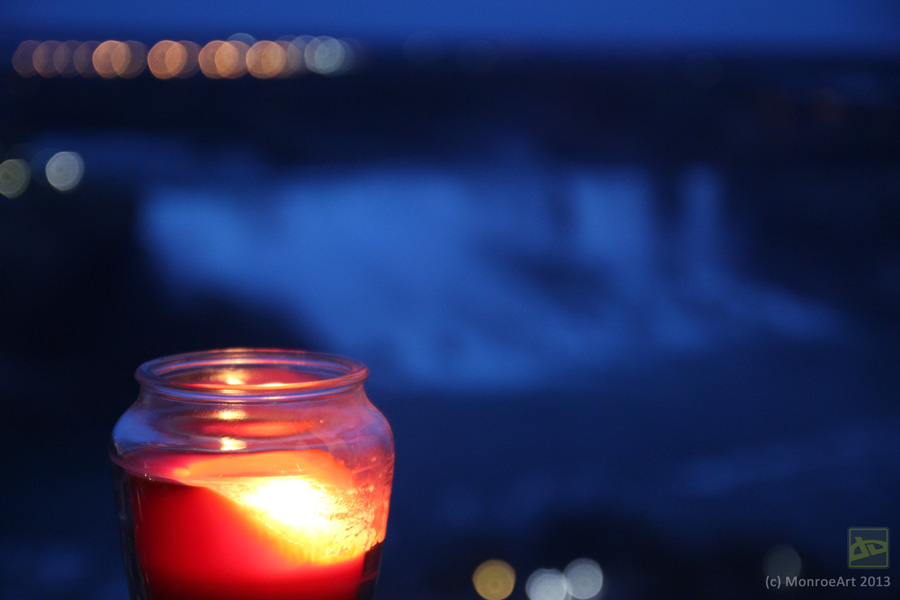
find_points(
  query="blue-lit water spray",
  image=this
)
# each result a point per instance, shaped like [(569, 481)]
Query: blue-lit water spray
[(464, 276)]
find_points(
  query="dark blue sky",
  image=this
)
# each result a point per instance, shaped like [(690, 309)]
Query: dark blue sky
[(804, 25)]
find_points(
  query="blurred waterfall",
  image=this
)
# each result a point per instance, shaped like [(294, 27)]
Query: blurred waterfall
[(440, 275)]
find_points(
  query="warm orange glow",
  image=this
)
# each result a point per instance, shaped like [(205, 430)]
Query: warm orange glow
[(103, 59), (207, 59), (43, 58), (129, 59), (231, 59), (494, 579), (22, 60), (121, 58), (167, 59), (316, 464), (232, 414), (64, 59), (311, 507), (236, 425), (230, 444), (312, 517), (266, 60), (191, 65)]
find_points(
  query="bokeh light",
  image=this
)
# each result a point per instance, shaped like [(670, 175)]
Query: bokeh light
[(120, 59), (295, 61), (244, 38), (233, 58), (129, 59), (266, 60), (167, 59), (328, 56), (584, 578), (103, 59), (207, 59), (64, 170), (546, 584), (64, 59), (494, 579), (14, 177), (192, 64), (22, 60), (43, 58)]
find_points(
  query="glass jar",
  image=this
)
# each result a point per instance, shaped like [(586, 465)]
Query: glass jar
[(251, 474)]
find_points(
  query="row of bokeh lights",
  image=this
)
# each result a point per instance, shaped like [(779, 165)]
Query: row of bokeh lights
[(233, 58), (63, 172), (582, 579)]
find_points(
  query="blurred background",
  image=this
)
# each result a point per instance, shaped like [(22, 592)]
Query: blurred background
[(626, 274)]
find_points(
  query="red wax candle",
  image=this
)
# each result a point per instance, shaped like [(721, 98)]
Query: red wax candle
[(220, 528), (252, 474)]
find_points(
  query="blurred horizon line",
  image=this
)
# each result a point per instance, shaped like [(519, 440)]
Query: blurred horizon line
[(867, 27)]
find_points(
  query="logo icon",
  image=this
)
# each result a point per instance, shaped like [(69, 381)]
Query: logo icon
[(867, 548)]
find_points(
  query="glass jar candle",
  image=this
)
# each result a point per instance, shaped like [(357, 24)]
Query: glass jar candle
[(252, 475)]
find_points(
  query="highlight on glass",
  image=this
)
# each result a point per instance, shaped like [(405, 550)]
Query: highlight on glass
[(250, 473)]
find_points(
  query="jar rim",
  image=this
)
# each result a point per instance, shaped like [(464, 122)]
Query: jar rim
[(331, 372)]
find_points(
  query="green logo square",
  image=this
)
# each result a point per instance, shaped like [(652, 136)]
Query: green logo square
[(867, 548)]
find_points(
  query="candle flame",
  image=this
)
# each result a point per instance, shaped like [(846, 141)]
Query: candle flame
[(295, 503), (318, 523), (313, 510)]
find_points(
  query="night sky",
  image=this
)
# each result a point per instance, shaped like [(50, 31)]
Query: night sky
[(745, 25)]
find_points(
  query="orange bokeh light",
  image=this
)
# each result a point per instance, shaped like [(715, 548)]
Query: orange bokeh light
[(231, 59), (219, 59), (192, 49), (120, 59), (266, 60), (64, 59), (42, 58), (103, 59), (207, 59), (22, 60), (167, 59), (129, 59)]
